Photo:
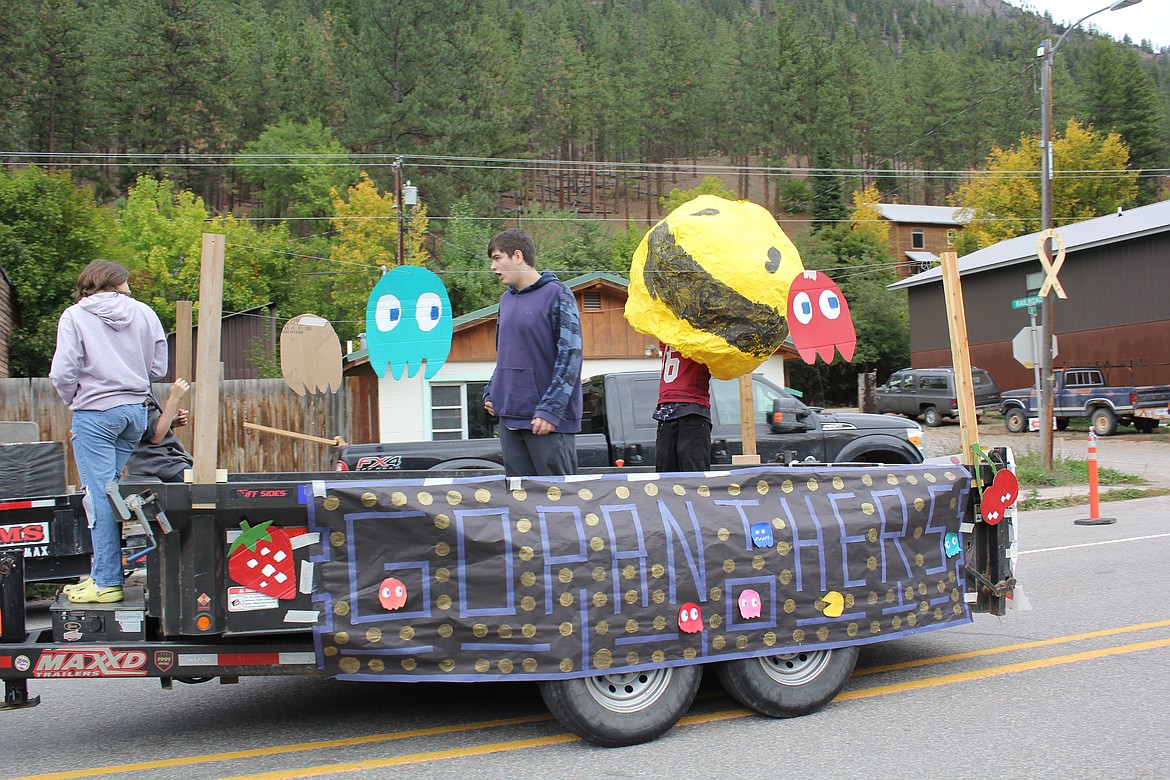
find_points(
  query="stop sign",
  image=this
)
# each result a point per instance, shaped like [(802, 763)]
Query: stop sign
[(1026, 346)]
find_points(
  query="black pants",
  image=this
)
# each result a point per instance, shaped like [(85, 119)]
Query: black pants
[(683, 444)]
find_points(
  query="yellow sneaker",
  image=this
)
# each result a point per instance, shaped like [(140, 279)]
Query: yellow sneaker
[(90, 593), (76, 585)]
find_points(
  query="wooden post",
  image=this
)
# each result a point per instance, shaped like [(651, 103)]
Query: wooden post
[(183, 322), (747, 424), (206, 406), (960, 356)]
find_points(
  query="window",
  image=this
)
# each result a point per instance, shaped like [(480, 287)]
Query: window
[(457, 412), (918, 238), (725, 400), (933, 383), (951, 234)]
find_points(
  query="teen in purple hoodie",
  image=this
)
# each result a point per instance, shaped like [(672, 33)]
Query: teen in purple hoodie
[(110, 347)]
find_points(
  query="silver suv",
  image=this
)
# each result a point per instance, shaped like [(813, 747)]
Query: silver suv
[(930, 392)]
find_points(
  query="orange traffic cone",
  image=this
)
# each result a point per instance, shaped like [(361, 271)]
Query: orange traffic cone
[(1094, 517)]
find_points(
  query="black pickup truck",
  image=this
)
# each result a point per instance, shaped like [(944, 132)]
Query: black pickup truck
[(618, 429)]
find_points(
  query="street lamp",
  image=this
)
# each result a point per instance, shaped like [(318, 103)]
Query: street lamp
[(1046, 53)]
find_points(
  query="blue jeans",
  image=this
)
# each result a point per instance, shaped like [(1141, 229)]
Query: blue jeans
[(102, 443)]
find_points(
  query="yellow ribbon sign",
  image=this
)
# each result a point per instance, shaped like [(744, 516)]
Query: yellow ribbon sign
[(1051, 269)]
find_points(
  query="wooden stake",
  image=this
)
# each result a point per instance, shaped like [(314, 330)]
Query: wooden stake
[(336, 441), (183, 321), (961, 356), (747, 424), (206, 411)]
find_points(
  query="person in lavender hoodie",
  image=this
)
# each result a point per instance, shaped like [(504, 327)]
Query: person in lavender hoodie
[(110, 347)]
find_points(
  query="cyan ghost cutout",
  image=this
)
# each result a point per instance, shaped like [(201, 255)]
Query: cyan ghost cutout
[(408, 320), (951, 545), (762, 534)]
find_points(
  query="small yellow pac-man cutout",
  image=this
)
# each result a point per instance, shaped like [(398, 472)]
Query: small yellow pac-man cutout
[(834, 604)]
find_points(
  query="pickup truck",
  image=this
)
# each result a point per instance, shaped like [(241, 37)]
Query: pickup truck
[(618, 429), (1084, 392)]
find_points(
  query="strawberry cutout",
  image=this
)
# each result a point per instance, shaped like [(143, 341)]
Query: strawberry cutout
[(261, 558)]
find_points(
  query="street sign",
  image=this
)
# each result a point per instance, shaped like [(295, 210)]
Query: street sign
[(1027, 303), (1026, 346)]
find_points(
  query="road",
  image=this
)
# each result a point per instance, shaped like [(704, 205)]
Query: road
[(1074, 688)]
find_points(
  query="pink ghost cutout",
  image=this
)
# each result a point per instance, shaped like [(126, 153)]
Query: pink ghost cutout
[(749, 604), (392, 593), (818, 318), (690, 619)]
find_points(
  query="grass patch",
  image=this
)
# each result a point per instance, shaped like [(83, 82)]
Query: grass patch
[(1066, 471), (39, 591), (1033, 501)]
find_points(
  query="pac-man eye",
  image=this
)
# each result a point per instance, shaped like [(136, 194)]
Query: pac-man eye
[(429, 310), (830, 304), (388, 312), (802, 308)]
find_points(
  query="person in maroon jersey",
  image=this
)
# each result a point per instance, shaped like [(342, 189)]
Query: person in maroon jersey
[(683, 414)]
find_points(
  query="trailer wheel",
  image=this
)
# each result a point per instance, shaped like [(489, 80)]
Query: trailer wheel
[(1145, 424), (1062, 423), (1014, 420), (931, 417), (628, 708), (788, 684), (1104, 421)]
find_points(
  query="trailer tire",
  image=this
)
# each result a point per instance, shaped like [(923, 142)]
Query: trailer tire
[(1145, 424), (1062, 423), (1015, 420), (626, 708), (787, 685), (1104, 421)]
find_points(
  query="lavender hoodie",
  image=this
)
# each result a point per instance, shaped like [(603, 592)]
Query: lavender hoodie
[(110, 347)]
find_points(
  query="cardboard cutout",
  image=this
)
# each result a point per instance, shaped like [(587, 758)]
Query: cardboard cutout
[(408, 321), (310, 355), (818, 316), (711, 280)]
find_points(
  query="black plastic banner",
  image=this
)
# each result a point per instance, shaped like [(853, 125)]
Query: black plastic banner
[(546, 577)]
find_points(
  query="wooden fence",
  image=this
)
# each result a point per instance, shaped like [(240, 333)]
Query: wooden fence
[(350, 413)]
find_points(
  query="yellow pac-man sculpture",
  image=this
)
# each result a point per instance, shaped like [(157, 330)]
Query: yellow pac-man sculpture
[(711, 280)]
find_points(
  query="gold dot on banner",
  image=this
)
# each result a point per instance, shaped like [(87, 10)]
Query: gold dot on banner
[(896, 623), (406, 633), (505, 631), (954, 502), (785, 577), (930, 477), (566, 599), (918, 532), (442, 522), (337, 538), (602, 627), (716, 593), (723, 534), (565, 576), (955, 595), (689, 653), (658, 596), (585, 494), (454, 497), (483, 495), (659, 622), (783, 548), (349, 665), (892, 479), (851, 630), (599, 574), (729, 566), (566, 628), (812, 484), (873, 597), (592, 519), (369, 499), (600, 599), (629, 572), (426, 499), (871, 563), (566, 665), (778, 523), (528, 630), (951, 577), (409, 664), (376, 665), (442, 574), (622, 492), (891, 594), (920, 503), (523, 525), (957, 609), (913, 480), (330, 651), (529, 665), (823, 634), (790, 606), (867, 508), (597, 544), (398, 498), (769, 638), (798, 635), (733, 489), (875, 627), (631, 626), (910, 593), (762, 487), (867, 480), (942, 587), (525, 553), (938, 613), (447, 664), (950, 475), (679, 490), (922, 588), (650, 489), (482, 665), (741, 642), (331, 503), (631, 658), (715, 621), (631, 596), (602, 659), (480, 630), (849, 601), (911, 620), (758, 562), (919, 559), (872, 535), (528, 579), (657, 570), (341, 638), (520, 494), (718, 642), (443, 602), (374, 635), (442, 548), (553, 493), (838, 483), (704, 491), (341, 608)]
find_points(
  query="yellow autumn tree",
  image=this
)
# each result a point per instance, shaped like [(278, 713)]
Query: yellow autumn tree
[(865, 217), (1091, 178), (365, 222)]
